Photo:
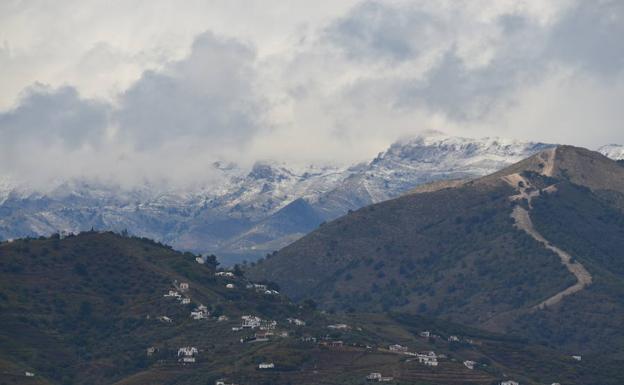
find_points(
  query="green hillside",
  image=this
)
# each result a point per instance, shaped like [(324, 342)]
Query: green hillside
[(85, 310), (457, 253)]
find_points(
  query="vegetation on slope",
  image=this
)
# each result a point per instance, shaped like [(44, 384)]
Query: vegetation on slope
[(85, 309), (455, 253)]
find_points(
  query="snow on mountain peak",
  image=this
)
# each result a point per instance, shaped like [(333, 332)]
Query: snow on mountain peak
[(613, 151), (248, 211)]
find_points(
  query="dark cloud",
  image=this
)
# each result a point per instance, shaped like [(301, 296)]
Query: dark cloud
[(521, 52), (373, 30), (208, 96), (200, 108), (54, 117), (590, 35)]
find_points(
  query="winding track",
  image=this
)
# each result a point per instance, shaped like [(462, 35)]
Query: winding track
[(583, 277), (523, 221)]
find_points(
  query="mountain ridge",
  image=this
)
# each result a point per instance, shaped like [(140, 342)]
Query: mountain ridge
[(462, 252), (228, 217)]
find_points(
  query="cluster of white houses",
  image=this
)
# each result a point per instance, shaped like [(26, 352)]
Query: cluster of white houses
[(254, 322), (428, 358), (259, 288), (200, 312), (181, 288)]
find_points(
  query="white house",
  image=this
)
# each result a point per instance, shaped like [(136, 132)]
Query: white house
[(373, 377), (187, 351), (453, 339), (425, 334), (338, 326), (428, 358), (259, 287), (296, 321), (186, 301), (197, 315), (268, 325), (398, 348), (165, 319), (266, 365), (29, 374), (230, 286), (509, 382), (222, 318), (578, 358), (228, 274), (469, 364), (378, 378), (200, 260), (250, 322), (151, 350), (172, 293), (188, 354), (184, 286)]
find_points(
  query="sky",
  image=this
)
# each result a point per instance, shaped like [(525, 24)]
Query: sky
[(156, 90)]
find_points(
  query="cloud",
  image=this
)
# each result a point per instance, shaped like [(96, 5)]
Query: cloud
[(589, 35), (208, 96), (54, 117), (470, 66), (298, 83), (169, 125), (374, 30)]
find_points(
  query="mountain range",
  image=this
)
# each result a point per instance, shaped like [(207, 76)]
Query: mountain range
[(533, 250), (512, 276), (248, 213)]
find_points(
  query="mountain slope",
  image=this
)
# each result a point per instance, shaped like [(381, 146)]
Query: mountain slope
[(459, 253), (88, 309)]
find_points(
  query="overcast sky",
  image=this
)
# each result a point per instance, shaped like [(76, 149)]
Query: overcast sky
[(159, 89)]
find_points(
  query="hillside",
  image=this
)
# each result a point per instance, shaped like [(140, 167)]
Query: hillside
[(95, 309), (460, 254)]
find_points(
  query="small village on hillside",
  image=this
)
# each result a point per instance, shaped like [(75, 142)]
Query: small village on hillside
[(252, 329)]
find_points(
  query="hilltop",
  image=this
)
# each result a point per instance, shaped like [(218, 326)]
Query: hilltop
[(100, 308), (533, 250)]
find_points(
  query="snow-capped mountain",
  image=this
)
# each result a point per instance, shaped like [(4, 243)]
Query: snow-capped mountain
[(613, 151), (251, 212)]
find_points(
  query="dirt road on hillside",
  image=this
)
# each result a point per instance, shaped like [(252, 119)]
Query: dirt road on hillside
[(583, 277)]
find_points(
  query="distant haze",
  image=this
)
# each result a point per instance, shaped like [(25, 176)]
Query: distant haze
[(156, 91)]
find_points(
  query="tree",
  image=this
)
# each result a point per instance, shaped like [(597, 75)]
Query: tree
[(309, 304), (211, 260)]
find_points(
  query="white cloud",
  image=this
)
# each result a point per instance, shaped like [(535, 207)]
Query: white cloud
[(157, 90)]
